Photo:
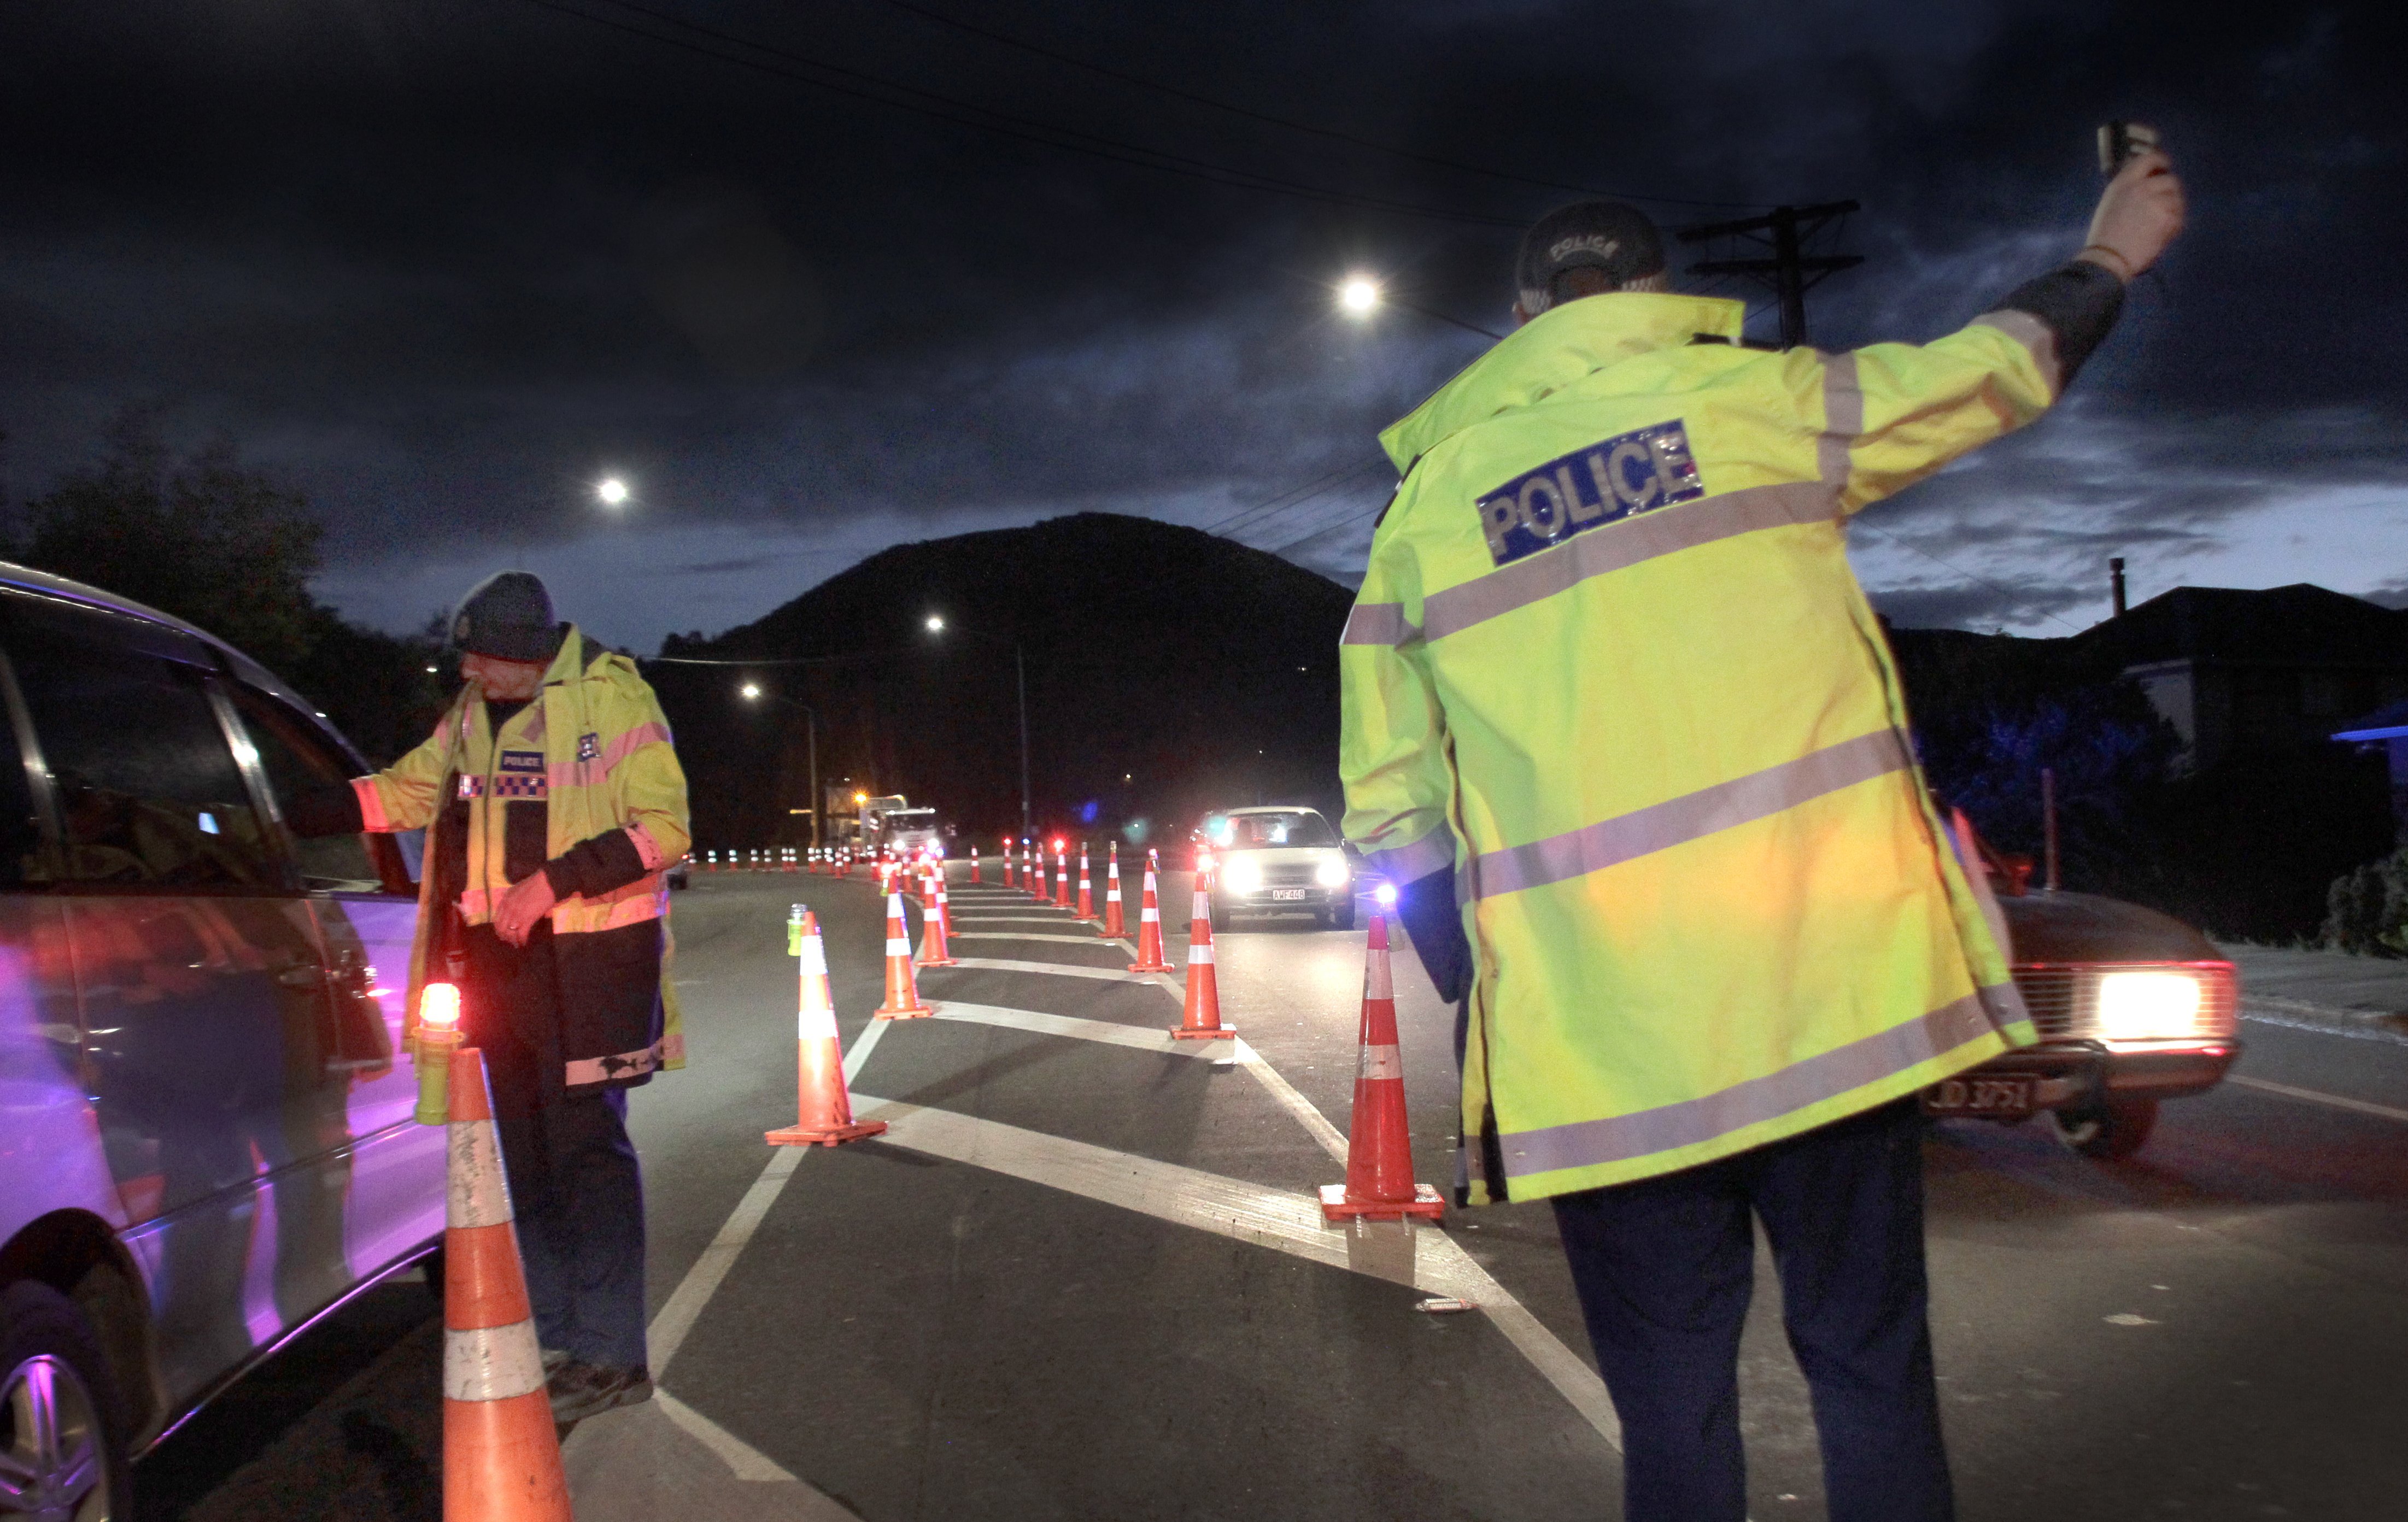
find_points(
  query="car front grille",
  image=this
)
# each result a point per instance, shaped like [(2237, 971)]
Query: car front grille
[(2063, 1000)]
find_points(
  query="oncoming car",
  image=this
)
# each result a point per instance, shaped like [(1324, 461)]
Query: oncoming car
[(206, 1132), (2133, 1008), (1278, 859)]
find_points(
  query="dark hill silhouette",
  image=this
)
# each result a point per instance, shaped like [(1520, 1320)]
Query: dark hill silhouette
[(1168, 672)]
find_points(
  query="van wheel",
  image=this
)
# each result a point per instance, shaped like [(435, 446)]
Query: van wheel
[(62, 1429), (2115, 1130), (1340, 916)]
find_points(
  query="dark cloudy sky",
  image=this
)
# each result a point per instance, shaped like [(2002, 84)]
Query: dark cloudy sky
[(818, 277)]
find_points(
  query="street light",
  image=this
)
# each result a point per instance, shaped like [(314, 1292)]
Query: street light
[(936, 625), (1358, 294), (751, 692), (612, 491)]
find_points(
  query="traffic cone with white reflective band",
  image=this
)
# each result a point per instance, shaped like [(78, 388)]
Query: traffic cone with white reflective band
[(902, 988), (936, 925), (1200, 1021), (1378, 1149), (1006, 864), (1148, 932), (1061, 876), (1115, 927), (974, 867), (824, 1108), (501, 1452), (1034, 878), (1086, 897)]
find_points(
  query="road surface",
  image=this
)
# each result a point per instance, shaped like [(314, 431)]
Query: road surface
[(1081, 1278)]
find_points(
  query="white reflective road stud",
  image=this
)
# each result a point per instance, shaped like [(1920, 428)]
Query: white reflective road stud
[(1380, 1062), (492, 1363), (475, 1190)]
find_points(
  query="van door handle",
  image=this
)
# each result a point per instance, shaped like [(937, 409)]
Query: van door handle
[(306, 975)]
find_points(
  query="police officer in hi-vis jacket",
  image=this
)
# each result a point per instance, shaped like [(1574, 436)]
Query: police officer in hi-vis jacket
[(553, 805), (1622, 725)]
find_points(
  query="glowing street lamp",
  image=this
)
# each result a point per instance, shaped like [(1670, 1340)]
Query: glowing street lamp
[(750, 691), (1358, 294), (936, 624), (612, 491)]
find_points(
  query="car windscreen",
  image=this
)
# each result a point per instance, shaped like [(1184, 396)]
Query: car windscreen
[(1262, 832)]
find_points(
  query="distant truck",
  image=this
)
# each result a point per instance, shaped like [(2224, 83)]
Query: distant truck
[(892, 824)]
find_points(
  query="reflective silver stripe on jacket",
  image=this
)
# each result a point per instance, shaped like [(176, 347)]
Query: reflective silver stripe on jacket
[(1844, 420), (2034, 335), (1617, 548), (1403, 864), (1587, 1142), (1377, 623), (1690, 816)]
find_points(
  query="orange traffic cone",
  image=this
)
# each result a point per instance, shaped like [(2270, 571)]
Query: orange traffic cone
[(1148, 932), (1378, 1149), (1032, 878), (501, 1452), (1201, 1019), (1086, 899), (1007, 862), (824, 1108), (902, 988), (1115, 927), (1061, 876), (935, 926), (974, 866)]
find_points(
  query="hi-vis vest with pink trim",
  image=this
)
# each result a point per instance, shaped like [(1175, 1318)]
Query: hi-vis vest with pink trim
[(1610, 662), (595, 748)]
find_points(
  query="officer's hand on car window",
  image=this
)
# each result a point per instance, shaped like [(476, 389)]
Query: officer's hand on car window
[(529, 900), (2139, 213)]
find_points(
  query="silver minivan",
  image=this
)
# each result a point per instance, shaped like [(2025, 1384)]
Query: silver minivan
[(205, 1133)]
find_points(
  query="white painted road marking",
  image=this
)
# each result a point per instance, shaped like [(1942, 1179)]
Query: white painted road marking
[(1057, 968), (2338, 1101), (1427, 1259), (1011, 935)]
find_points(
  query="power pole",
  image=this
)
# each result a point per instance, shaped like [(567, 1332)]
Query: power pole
[(1790, 271)]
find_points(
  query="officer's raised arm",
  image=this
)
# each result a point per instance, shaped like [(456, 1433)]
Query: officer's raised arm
[(1895, 413)]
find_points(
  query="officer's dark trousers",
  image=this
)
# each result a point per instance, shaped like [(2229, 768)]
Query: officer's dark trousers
[(1664, 1266), (580, 1217)]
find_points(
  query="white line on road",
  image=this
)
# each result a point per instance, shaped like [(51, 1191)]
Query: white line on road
[(1027, 935), (2312, 1096), (1144, 1037), (997, 964), (1425, 1259)]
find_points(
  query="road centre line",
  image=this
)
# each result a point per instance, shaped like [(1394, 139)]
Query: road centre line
[(2338, 1101), (1425, 1259)]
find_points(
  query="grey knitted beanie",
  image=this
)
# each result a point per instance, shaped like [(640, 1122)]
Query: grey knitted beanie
[(506, 616)]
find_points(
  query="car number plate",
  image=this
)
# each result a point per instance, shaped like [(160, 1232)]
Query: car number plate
[(1287, 895), (2001, 1098)]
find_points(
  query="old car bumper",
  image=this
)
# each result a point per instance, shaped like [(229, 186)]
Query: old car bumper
[(2073, 1073)]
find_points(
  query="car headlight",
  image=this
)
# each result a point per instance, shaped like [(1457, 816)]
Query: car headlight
[(1241, 875), (2138, 1005), (1334, 873)]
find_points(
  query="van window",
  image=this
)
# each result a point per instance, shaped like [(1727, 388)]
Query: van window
[(298, 764), (148, 795)]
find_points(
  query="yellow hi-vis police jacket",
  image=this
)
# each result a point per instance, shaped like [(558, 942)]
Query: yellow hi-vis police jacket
[(1610, 662), (605, 763)]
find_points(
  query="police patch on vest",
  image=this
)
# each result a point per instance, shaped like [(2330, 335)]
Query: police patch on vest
[(520, 773), (1596, 484), (589, 746)]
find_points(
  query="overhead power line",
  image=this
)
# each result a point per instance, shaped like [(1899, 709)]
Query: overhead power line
[(864, 86), (1261, 512), (1306, 127)]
